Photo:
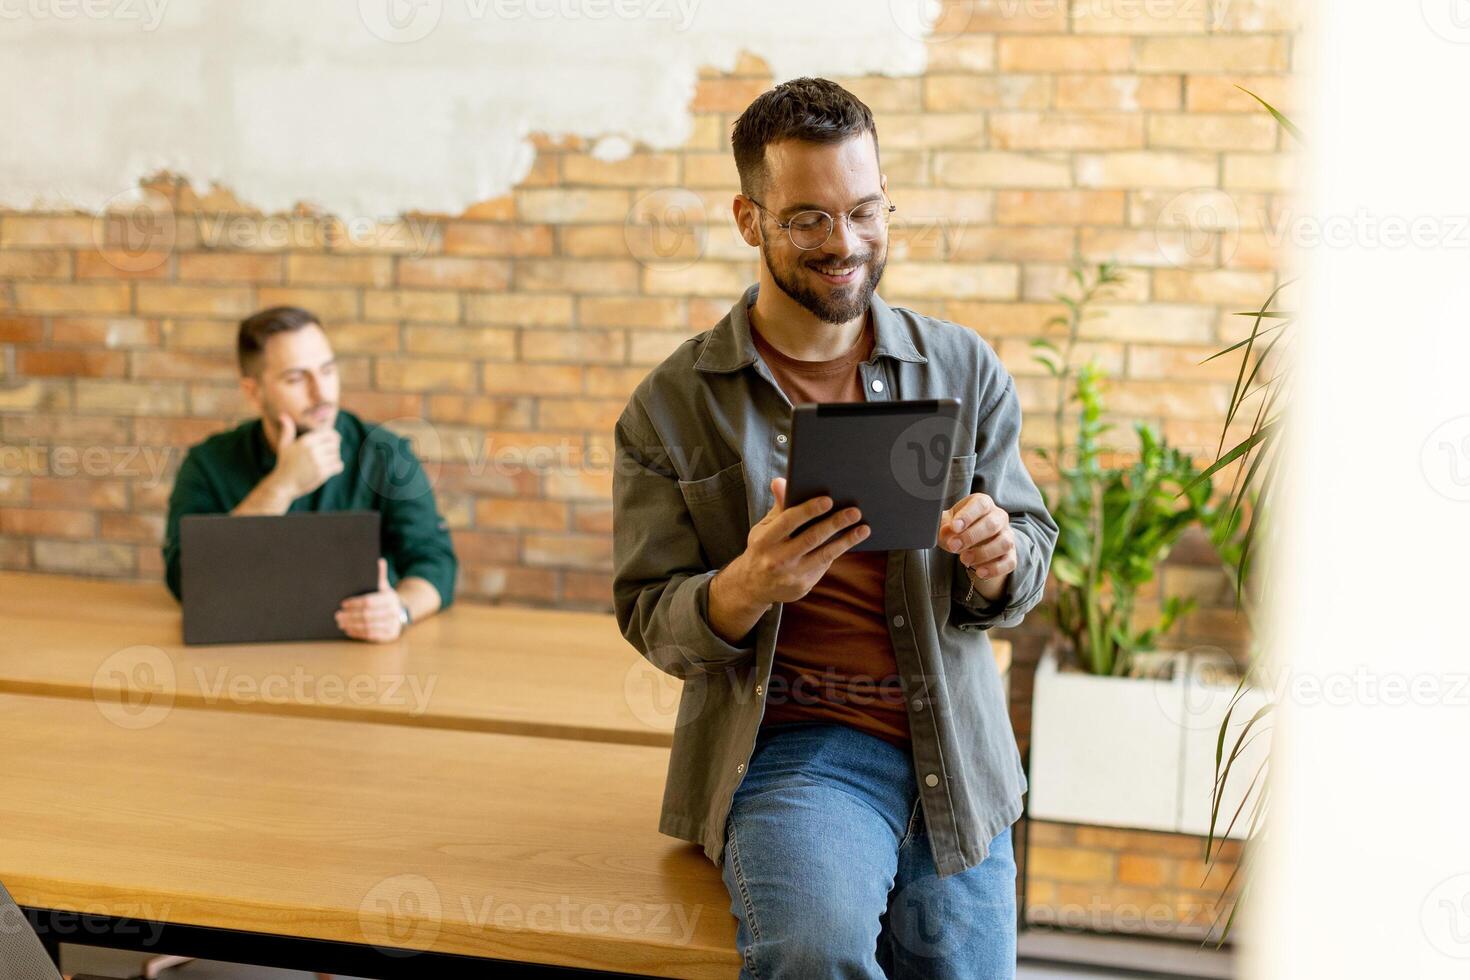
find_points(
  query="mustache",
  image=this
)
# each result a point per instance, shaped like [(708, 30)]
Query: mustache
[(843, 262), (303, 428)]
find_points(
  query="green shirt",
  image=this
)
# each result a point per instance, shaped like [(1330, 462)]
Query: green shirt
[(379, 472)]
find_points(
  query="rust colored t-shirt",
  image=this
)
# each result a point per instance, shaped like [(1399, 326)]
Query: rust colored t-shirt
[(834, 658)]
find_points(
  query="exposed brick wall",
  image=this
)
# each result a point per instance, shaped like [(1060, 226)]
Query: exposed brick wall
[(516, 330), (1128, 881)]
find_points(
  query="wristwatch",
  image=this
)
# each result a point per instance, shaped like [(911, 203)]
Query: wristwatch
[(404, 616)]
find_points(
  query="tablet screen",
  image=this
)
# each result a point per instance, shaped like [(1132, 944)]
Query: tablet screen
[(891, 460)]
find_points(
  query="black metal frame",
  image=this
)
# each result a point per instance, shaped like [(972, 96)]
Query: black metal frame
[(56, 927)]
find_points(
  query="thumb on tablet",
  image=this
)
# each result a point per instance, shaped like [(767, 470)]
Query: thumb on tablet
[(778, 488)]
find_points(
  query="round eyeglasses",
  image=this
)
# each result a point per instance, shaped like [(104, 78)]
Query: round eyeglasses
[(812, 229)]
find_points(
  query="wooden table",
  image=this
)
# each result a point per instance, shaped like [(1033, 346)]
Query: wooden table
[(476, 668), (487, 788), (318, 844)]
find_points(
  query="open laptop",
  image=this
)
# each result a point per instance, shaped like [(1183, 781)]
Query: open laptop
[(265, 579)]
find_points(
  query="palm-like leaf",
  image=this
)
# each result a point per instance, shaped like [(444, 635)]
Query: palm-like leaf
[(1257, 459)]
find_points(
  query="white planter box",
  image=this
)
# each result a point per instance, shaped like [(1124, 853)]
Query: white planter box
[(1135, 752)]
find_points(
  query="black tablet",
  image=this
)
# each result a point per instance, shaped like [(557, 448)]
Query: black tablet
[(888, 459)]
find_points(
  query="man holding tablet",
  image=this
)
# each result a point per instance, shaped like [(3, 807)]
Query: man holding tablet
[(843, 750), (304, 454)]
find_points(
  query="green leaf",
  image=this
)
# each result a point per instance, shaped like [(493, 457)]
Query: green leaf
[(1286, 124), (1241, 448)]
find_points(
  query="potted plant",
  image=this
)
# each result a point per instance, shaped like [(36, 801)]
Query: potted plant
[(1118, 517)]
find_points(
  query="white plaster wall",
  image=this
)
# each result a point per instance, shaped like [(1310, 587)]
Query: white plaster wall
[(373, 107), (1365, 874)]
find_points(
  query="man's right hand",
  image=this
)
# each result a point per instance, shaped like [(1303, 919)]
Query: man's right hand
[(305, 462), (778, 565)]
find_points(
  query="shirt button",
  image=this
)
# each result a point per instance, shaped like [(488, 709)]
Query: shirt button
[(877, 385), (918, 704), (741, 768), (759, 689), (898, 621), (931, 780), (780, 438)]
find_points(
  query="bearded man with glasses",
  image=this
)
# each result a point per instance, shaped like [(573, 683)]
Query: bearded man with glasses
[(843, 751)]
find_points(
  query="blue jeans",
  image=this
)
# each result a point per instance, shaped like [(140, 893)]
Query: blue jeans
[(829, 871)]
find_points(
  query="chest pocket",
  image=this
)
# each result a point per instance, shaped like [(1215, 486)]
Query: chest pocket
[(956, 488), (718, 508)]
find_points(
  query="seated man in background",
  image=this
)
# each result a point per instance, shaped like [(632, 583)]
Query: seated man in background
[(304, 454)]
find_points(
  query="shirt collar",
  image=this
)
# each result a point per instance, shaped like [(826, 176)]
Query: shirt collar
[(729, 347)]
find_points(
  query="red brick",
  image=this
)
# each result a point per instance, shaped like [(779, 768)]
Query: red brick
[(578, 346), (1053, 130), (483, 410), (405, 304), (591, 589), (329, 305), (230, 267), (483, 238), (137, 528), (589, 518), (1060, 207), (513, 583), (485, 547), (86, 557), (48, 523), (185, 366), (71, 363), (35, 265), (489, 342), (102, 297), (727, 94), (425, 374), (511, 515), (21, 329), (115, 331), (174, 432), (46, 230), (1141, 869), (568, 550), (532, 379), (447, 272), (75, 492), (222, 301), (664, 312), (121, 264), (318, 269), (1064, 53)]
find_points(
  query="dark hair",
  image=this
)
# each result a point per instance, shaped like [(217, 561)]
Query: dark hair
[(257, 328), (815, 110)]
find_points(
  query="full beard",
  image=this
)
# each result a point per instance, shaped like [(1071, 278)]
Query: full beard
[(847, 302)]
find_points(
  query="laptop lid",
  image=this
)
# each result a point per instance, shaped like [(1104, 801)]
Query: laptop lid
[(263, 579)]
